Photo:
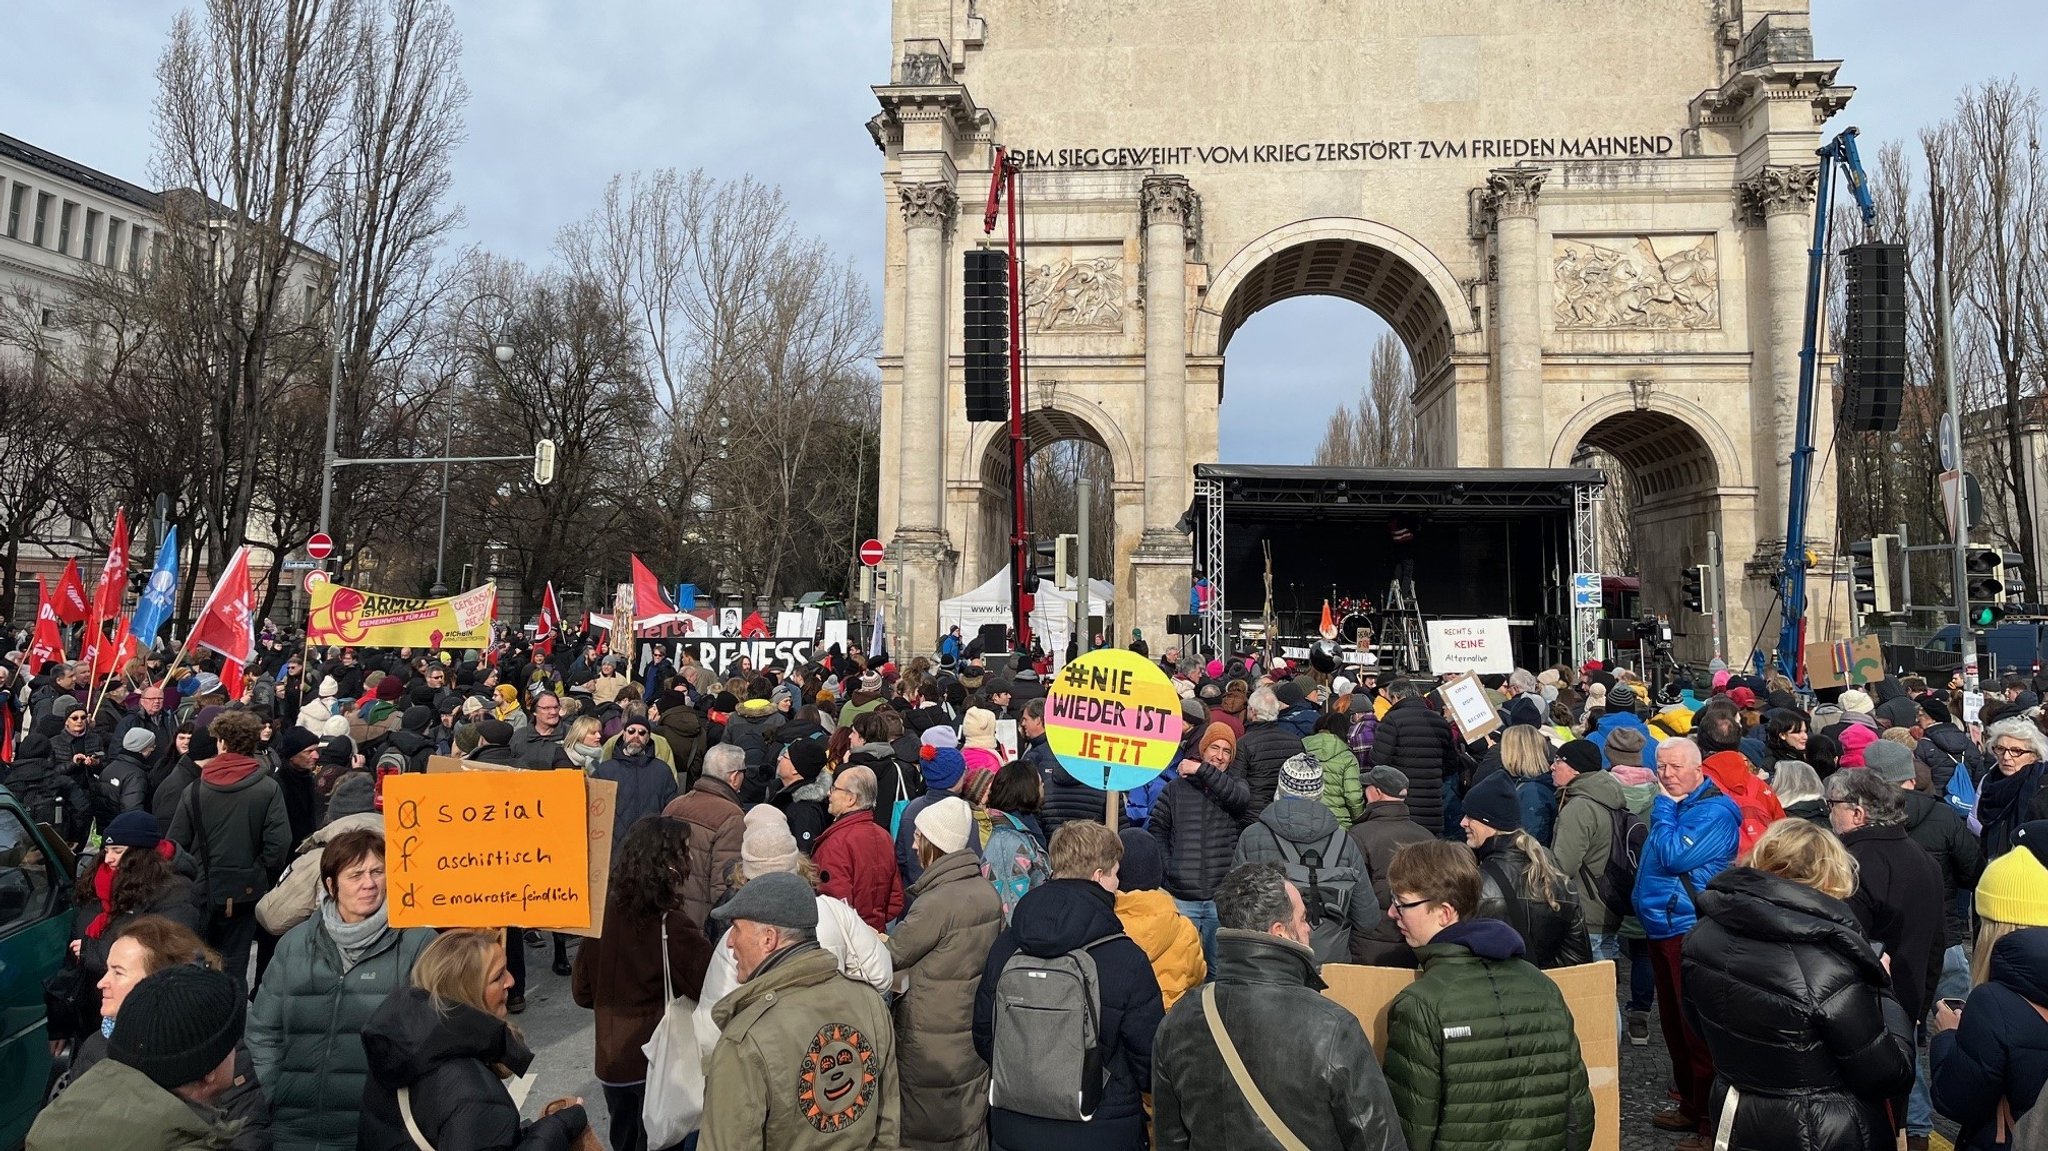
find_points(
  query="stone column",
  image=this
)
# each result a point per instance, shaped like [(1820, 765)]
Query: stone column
[(920, 543), (1518, 348), (1781, 198), (1160, 565)]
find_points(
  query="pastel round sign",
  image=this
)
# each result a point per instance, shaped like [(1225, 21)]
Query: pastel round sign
[(1113, 720)]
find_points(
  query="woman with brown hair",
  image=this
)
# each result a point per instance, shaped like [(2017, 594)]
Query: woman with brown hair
[(136, 873), (440, 1053), (329, 976), (619, 973), (145, 946), (1808, 1042)]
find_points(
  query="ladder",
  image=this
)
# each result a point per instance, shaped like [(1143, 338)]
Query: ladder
[(1403, 641)]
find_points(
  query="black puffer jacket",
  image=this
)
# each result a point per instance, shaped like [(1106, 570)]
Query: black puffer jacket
[(1196, 821), (1309, 1056), (2001, 1050), (445, 1058), (1944, 747), (890, 769), (1551, 936), (1264, 747), (1066, 799), (1940, 829), (1794, 1006), (1053, 919), (52, 795), (1419, 742)]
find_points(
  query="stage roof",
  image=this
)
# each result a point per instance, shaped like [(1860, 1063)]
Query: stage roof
[(1386, 488)]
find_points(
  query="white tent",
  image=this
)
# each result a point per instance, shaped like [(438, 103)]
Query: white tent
[(1051, 615)]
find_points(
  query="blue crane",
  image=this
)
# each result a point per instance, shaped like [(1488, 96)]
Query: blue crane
[(1838, 152)]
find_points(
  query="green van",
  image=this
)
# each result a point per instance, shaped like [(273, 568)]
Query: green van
[(35, 926)]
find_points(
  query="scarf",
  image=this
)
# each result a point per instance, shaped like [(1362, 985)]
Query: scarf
[(2002, 804), (584, 756), (103, 888), (353, 939)]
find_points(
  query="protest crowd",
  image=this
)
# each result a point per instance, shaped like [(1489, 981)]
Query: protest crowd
[(891, 919)]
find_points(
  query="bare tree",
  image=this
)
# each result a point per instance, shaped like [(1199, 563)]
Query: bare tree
[(1054, 498), (1379, 432), (39, 457)]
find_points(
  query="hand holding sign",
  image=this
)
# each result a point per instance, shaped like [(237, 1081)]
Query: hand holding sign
[(1113, 720)]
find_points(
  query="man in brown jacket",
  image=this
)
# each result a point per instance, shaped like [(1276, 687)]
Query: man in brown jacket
[(712, 809)]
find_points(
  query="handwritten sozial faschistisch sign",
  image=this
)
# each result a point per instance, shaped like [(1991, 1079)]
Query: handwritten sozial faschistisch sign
[(488, 849)]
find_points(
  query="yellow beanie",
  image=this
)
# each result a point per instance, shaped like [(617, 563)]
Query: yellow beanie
[(2015, 890)]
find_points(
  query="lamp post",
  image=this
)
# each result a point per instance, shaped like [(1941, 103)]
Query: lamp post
[(502, 352)]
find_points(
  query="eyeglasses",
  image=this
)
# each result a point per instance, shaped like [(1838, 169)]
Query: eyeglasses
[(1412, 904), (1843, 803), (2008, 749)]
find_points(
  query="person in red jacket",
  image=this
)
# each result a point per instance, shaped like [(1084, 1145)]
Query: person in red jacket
[(1753, 797), (856, 858)]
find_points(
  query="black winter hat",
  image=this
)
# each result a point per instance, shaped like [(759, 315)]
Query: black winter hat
[(1144, 865), (1935, 709), (1582, 755), (495, 732), (178, 1024), (417, 719), (1493, 802), (808, 757), (295, 741)]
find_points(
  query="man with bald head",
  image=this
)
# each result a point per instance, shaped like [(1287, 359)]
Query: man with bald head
[(856, 856)]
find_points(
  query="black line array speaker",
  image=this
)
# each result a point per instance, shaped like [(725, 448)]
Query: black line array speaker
[(1874, 347), (1183, 625), (995, 638), (986, 332)]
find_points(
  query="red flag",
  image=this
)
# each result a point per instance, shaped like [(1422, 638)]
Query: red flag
[(226, 624), (113, 585), (754, 627), (47, 645), (109, 653), (648, 600), (71, 605), (550, 622), (233, 677)]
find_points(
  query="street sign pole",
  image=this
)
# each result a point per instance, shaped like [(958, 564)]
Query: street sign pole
[(1716, 604), (1959, 536)]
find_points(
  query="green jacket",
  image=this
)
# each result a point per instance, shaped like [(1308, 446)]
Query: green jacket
[(114, 1107), (1585, 837), (1481, 1053), (1343, 793), (306, 1026), (805, 1061)]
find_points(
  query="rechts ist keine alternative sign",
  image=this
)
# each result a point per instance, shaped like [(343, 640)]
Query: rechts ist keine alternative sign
[(1113, 719), (488, 849)]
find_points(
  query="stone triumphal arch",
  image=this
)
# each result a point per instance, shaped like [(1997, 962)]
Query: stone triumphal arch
[(1587, 219)]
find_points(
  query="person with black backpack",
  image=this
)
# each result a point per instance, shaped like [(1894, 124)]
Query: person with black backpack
[(1067, 1009), (234, 821), (1593, 820), (1298, 832)]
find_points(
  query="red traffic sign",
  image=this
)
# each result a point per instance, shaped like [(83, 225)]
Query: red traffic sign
[(320, 546), (871, 553)]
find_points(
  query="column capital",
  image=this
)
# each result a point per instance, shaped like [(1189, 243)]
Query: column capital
[(1167, 200), (1511, 193), (930, 204), (1778, 189)]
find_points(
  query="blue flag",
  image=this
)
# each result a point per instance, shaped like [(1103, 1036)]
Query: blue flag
[(161, 594), (686, 597)]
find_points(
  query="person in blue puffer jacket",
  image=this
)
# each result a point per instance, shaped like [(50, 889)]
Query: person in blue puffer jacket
[(1694, 831)]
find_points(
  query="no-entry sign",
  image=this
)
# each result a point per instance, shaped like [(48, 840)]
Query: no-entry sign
[(871, 552), (320, 545)]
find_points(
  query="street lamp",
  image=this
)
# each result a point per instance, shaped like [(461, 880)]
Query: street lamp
[(502, 352)]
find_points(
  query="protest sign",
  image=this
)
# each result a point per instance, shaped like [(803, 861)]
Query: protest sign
[(602, 797), (1479, 646), (1588, 990), (350, 617), (1113, 719), (1465, 701), (1845, 663), (488, 849)]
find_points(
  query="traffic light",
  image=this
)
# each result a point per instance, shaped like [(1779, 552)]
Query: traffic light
[(1694, 581), (881, 581), (1063, 548), (986, 334), (1986, 586), (544, 462), (2013, 576), (1044, 562), (1870, 563)]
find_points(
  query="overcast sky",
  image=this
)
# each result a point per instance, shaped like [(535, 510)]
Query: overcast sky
[(563, 94)]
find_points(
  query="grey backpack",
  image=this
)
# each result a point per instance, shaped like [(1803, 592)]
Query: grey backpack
[(1325, 890), (1048, 1059)]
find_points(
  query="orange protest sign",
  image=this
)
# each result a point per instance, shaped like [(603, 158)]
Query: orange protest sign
[(488, 849)]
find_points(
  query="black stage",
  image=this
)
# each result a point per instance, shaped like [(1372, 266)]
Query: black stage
[(1487, 542)]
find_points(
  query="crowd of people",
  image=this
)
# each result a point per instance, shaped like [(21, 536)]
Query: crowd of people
[(892, 919)]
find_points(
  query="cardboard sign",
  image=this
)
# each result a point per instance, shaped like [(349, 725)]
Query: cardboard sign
[(1479, 646), (488, 849), (1466, 702), (1367, 992), (1113, 719), (1845, 663), (603, 798), (350, 617), (835, 633)]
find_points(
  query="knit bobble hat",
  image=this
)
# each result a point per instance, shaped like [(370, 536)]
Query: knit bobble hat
[(944, 768), (767, 845), (978, 729), (2014, 888), (947, 824), (178, 1024), (1301, 776), (1493, 802), (1856, 702), (388, 688), (937, 737)]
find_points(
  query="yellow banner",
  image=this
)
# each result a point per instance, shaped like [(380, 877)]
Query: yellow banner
[(350, 617)]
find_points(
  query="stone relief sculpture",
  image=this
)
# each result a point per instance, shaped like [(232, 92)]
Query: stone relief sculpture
[(1604, 285), (1070, 295)]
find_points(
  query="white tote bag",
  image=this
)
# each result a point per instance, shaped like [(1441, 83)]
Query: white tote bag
[(675, 1067)]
